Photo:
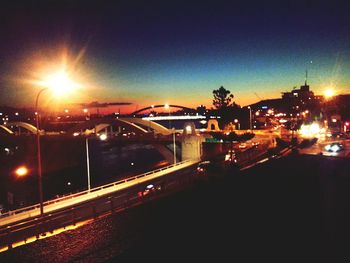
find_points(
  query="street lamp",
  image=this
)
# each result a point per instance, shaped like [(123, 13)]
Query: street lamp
[(38, 152), (21, 171), (328, 94), (102, 137), (250, 117), (174, 145), (167, 107), (88, 162), (59, 83), (237, 123)]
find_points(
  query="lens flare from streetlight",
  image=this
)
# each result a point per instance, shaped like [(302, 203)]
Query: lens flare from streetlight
[(59, 83)]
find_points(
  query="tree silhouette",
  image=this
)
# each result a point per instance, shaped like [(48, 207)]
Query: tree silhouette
[(226, 108), (222, 98)]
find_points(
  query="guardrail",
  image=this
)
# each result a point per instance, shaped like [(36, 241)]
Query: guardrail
[(37, 206)]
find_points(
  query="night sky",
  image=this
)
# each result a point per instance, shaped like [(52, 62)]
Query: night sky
[(176, 52)]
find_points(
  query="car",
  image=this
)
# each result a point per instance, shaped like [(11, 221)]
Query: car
[(150, 189), (334, 147), (231, 156), (255, 144), (203, 167)]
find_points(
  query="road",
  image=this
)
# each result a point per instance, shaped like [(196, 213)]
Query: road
[(319, 147), (72, 200)]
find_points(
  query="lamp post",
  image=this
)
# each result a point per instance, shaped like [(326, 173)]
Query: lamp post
[(250, 117), (88, 163), (59, 83), (40, 184), (328, 95), (236, 121), (174, 145), (167, 107)]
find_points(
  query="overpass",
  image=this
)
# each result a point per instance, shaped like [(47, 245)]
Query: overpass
[(21, 224)]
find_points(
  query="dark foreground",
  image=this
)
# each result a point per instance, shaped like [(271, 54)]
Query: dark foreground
[(291, 210)]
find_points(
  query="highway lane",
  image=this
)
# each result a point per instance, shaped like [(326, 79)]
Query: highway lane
[(319, 148), (75, 199), (106, 198)]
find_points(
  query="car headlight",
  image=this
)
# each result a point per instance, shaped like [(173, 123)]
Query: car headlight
[(335, 148)]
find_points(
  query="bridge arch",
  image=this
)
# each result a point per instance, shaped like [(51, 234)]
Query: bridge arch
[(98, 125), (149, 124), (29, 127), (161, 106), (137, 125), (5, 130)]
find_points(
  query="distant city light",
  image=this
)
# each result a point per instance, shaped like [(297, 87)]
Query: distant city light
[(21, 171)]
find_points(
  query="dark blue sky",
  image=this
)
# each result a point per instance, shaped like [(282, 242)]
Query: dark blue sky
[(153, 52)]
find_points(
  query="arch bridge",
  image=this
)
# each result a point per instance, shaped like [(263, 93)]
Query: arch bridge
[(22, 125), (161, 106), (135, 125)]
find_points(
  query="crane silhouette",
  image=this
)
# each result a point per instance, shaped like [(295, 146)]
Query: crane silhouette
[(258, 96)]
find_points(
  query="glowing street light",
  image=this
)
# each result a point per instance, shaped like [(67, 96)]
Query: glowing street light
[(59, 83), (329, 93), (103, 137), (21, 171)]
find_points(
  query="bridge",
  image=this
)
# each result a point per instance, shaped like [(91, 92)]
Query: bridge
[(162, 106), (22, 224), (26, 224)]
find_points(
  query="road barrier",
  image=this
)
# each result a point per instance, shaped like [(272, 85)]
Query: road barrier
[(96, 189)]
